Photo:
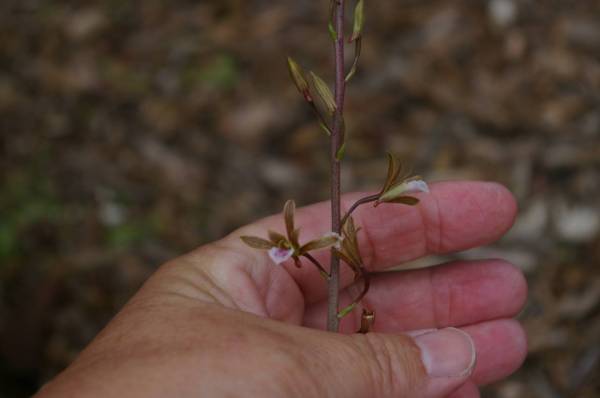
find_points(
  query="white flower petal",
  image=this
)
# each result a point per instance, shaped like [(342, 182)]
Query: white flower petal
[(416, 186), (406, 188), (279, 255), (340, 238)]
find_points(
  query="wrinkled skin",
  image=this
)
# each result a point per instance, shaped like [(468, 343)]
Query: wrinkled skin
[(223, 321)]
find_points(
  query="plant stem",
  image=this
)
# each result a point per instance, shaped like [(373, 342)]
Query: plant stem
[(362, 201), (336, 141), (318, 265)]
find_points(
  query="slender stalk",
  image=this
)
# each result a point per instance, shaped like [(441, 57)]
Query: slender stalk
[(362, 201), (318, 265), (336, 140)]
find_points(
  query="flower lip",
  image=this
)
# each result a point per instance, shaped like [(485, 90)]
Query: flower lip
[(340, 238), (279, 254), (417, 186)]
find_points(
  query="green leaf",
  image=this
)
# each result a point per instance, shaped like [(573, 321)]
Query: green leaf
[(339, 155), (332, 31), (357, 52), (330, 27), (359, 20), (257, 243), (324, 128), (298, 77), (347, 310), (324, 93), (341, 152)]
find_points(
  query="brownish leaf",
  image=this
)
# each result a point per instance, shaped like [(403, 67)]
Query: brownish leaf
[(257, 243), (288, 214), (322, 243), (405, 200)]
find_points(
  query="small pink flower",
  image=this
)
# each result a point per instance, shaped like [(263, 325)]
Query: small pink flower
[(279, 255)]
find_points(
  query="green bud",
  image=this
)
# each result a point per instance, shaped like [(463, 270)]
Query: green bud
[(297, 74), (324, 93), (332, 31), (359, 20)]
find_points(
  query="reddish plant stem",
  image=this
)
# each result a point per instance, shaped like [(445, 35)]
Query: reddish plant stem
[(318, 265), (365, 200), (336, 141)]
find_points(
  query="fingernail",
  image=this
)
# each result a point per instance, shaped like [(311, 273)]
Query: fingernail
[(447, 352)]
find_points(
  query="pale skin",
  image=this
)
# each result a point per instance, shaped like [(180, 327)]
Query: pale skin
[(224, 321)]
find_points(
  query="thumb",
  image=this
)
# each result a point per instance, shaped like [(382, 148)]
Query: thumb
[(427, 364)]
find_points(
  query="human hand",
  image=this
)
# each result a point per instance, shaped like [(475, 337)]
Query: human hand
[(224, 321)]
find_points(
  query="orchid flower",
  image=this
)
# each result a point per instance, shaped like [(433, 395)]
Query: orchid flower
[(283, 247), (398, 189)]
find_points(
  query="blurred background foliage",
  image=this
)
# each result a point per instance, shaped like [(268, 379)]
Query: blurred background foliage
[(133, 131)]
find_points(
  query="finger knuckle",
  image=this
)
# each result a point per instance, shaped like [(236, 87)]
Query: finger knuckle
[(392, 368)]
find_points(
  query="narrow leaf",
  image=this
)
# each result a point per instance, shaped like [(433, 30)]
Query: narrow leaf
[(342, 149), (341, 152), (357, 52), (324, 93), (257, 243), (332, 31), (324, 128), (359, 20), (347, 310)]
